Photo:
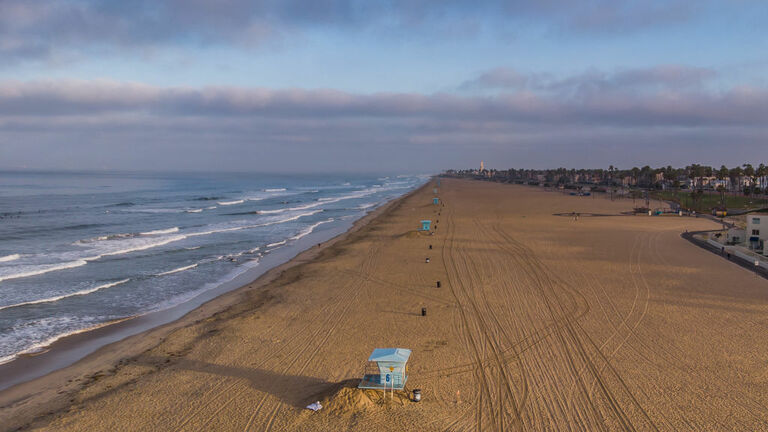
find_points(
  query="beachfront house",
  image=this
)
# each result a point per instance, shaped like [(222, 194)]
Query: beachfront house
[(386, 369), (757, 232)]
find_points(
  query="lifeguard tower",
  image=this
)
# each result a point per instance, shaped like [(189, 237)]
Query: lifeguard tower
[(386, 369), (435, 201), (425, 225)]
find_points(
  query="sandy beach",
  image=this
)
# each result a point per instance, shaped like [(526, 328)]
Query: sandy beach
[(542, 322)]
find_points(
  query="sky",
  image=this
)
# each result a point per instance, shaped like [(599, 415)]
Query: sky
[(406, 86)]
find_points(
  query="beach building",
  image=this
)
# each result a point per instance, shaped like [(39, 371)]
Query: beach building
[(757, 232), (386, 369)]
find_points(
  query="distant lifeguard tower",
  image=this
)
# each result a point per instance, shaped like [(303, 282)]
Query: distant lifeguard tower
[(435, 201), (425, 225), (386, 369)]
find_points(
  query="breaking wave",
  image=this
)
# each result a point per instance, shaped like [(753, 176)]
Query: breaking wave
[(63, 296), (180, 269), (226, 203), (11, 257), (161, 231)]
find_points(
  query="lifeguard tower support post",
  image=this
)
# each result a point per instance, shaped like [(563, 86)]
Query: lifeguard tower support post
[(386, 369), (425, 225)]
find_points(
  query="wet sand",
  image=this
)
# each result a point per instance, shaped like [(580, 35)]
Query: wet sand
[(542, 322)]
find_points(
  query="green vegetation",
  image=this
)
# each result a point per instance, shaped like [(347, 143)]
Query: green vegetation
[(704, 201)]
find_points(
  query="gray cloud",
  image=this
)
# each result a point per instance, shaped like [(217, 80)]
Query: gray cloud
[(46, 28), (127, 125), (663, 76), (738, 106)]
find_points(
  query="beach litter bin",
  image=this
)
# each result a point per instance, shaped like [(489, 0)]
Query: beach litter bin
[(417, 395)]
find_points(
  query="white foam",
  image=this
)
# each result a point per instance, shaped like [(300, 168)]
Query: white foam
[(227, 203), (210, 208), (41, 346), (308, 230), (34, 270), (195, 210), (180, 269), (134, 245), (273, 211), (11, 257), (280, 243), (125, 243), (275, 190), (63, 296), (162, 231)]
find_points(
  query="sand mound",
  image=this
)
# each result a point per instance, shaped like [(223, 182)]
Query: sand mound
[(413, 234), (348, 401)]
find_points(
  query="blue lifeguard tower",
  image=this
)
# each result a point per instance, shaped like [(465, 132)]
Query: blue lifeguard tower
[(435, 201), (386, 369), (425, 225)]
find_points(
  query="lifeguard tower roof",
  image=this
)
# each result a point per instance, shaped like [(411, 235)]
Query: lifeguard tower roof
[(399, 355)]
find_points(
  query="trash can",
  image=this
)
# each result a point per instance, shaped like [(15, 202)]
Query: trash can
[(416, 395)]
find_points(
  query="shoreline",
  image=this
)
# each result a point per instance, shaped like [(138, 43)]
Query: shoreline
[(623, 305), (104, 346)]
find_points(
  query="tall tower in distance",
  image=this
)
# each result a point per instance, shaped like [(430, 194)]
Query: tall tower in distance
[(482, 166)]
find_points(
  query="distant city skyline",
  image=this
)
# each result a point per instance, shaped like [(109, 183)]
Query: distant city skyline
[(393, 86)]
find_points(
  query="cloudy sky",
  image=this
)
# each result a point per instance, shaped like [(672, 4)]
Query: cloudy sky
[(389, 86)]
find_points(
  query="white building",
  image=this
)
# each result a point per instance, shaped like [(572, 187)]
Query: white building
[(757, 232)]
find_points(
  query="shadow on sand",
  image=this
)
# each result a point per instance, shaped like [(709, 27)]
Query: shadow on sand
[(295, 390)]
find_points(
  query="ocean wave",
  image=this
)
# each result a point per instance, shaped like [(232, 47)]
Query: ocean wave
[(153, 210), (275, 190), (308, 230), (213, 198), (133, 245), (226, 203), (194, 211), (161, 231), (242, 227), (177, 270), (280, 243), (254, 212), (106, 237), (34, 270), (108, 246), (41, 346), (11, 257), (63, 296)]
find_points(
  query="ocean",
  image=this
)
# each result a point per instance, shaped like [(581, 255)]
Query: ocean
[(80, 250)]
